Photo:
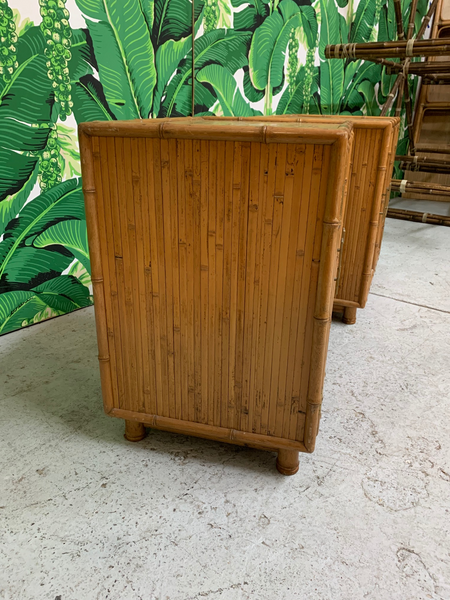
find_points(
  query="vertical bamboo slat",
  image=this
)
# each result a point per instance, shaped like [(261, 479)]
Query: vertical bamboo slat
[(214, 248)]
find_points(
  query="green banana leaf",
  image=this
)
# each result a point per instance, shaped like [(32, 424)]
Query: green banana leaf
[(168, 59), (89, 101), (28, 111), (367, 89), (362, 26), (386, 31), (173, 20), (224, 47), (269, 42), (356, 73), (69, 157), (124, 54), (26, 104), (22, 265), (227, 91), (12, 205), (331, 70), (252, 16), (251, 92), (70, 234), (80, 272), (61, 294), (83, 61)]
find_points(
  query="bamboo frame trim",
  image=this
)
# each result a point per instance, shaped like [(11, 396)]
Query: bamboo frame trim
[(190, 128), (211, 432)]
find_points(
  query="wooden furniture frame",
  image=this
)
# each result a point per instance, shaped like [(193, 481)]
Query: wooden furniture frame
[(372, 162), (214, 252)]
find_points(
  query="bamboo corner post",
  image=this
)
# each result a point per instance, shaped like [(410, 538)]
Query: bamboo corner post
[(214, 248)]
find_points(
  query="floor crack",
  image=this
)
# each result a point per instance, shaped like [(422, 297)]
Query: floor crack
[(441, 310)]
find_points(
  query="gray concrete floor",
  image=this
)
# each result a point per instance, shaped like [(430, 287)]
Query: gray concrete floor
[(86, 515)]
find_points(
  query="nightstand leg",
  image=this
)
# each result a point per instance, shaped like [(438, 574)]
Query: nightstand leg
[(134, 431), (349, 317), (287, 462)]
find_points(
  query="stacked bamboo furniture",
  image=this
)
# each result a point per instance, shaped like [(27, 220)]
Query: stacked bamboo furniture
[(214, 250), (432, 128), (433, 73), (372, 161)]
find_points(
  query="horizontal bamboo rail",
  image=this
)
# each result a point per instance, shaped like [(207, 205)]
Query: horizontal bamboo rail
[(418, 217), (210, 432), (424, 168), (417, 68), (423, 163), (439, 79), (423, 160), (415, 187), (436, 149), (400, 49)]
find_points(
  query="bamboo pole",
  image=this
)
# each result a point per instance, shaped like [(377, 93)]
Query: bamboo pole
[(442, 79), (390, 99), (416, 187), (418, 217), (424, 160), (409, 116), (401, 88), (438, 149), (422, 68), (399, 49), (416, 68), (424, 168), (412, 15), (427, 19), (399, 19), (425, 164)]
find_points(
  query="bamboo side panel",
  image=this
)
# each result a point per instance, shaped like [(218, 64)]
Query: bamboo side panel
[(215, 262), (375, 140)]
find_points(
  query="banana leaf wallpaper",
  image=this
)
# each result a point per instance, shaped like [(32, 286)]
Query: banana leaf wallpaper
[(63, 62)]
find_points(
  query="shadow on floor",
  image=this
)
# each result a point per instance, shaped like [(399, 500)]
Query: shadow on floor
[(51, 373)]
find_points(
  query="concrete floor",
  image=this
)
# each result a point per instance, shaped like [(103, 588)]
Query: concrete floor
[(86, 515)]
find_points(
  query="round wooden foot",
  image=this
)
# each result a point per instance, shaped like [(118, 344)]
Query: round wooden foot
[(287, 462), (349, 317), (134, 432)]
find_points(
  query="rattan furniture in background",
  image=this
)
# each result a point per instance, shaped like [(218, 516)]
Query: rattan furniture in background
[(374, 149), (214, 251)]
